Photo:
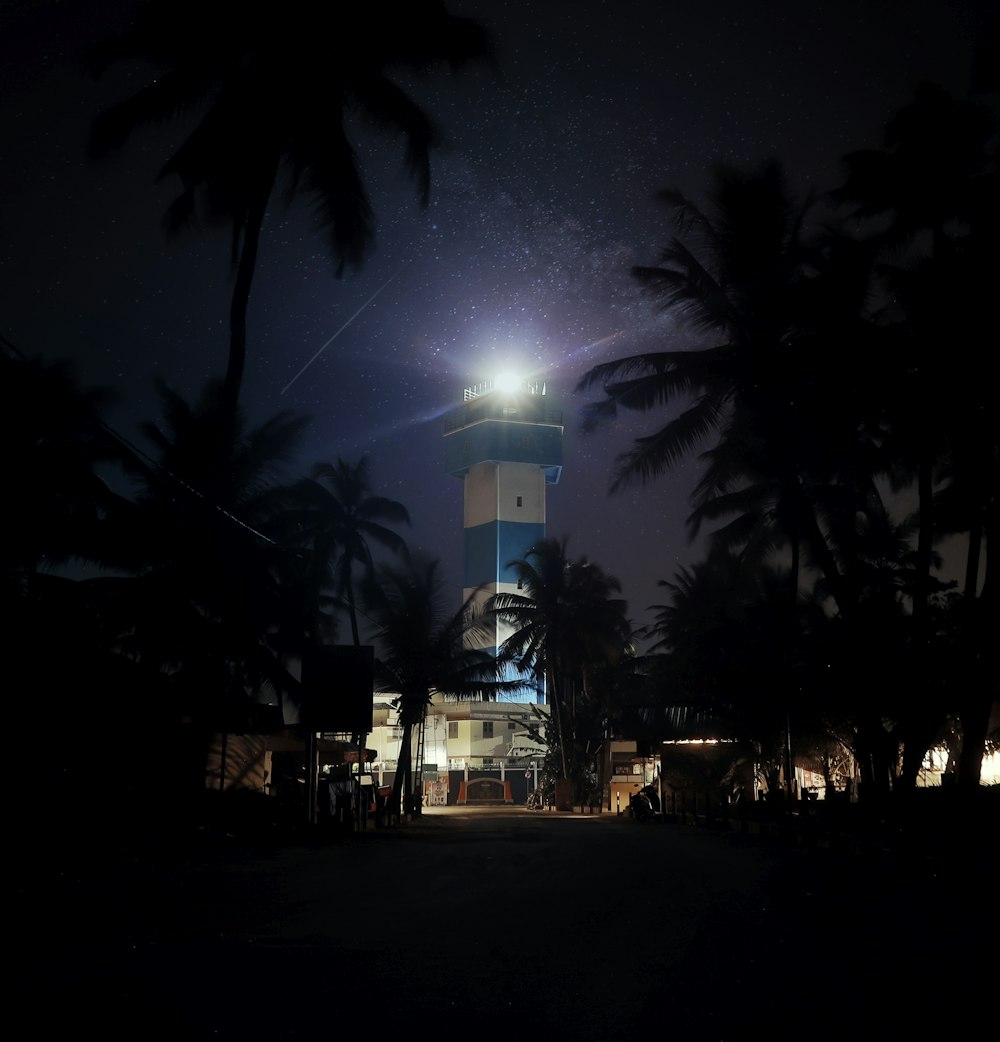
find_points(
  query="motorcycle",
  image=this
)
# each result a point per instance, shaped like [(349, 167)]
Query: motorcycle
[(644, 805)]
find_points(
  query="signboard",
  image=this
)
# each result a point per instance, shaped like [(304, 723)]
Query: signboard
[(436, 793), (337, 684), (626, 768)]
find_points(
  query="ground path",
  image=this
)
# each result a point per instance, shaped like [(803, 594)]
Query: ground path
[(506, 924)]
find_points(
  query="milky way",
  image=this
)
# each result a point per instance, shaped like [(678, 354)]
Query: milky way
[(541, 202)]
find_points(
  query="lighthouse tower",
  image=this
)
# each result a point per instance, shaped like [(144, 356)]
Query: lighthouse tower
[(505, 443)]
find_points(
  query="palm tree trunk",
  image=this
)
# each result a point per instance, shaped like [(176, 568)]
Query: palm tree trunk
[(402, 774), (796, 569), (352, 611), (819, 547), (981, 686), (556, 712), (975, 727), (792, 640), (925, 547), (972, 557), (240, 302), (922, 719)]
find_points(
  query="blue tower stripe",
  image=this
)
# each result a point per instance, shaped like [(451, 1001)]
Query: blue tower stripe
[(511, 442), (489, 549)]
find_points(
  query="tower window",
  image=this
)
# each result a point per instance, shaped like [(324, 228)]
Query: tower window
[(452, 728), (487, 728), (520, 502)]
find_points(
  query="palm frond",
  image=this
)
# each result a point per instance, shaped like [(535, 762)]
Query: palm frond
[(654, 454)]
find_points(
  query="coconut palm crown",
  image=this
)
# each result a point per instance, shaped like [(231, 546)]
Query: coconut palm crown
[(271, 90)]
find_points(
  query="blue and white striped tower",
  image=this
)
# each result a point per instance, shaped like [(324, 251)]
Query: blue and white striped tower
[(505, 443)]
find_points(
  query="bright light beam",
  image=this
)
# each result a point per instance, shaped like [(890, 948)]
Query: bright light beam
[(339, 331)]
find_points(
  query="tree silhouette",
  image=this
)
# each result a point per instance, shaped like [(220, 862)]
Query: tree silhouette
[(54, 442), (420, 650), (213, 602), (754, 395), (57, 456), (928, 200), (340, 519), (565, 622), (804, 395), (274, 92)]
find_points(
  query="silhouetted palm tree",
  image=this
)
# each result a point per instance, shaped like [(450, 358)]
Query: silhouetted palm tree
[(932, 173), (925, 198), (929, 200), (56, 455), (754, 395), (341, 519), (53, 443), (275, 90), (215, 602), (565, 622), (731, 656), (420, 649), (793, 447)]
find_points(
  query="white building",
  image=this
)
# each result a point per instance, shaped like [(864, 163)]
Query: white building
[(464, 741)]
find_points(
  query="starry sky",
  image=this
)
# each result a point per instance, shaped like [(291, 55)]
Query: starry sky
[(542, 200)]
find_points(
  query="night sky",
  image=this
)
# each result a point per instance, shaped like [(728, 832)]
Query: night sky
[(541, 203)]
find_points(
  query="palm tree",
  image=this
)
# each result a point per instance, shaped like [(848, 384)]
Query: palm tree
[(213, 602), (56, 454), (969, 503), (276, 91), (793, 449), (420, 650), (919, 196), (341, 519), (707, 652), (756, 393), (933, 173), (54, 442), (565, 623), (928, 201)]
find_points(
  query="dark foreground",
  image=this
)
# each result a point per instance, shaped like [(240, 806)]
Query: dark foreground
[(504, 925)]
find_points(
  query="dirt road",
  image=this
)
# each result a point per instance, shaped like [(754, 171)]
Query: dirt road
[(502, 924)]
